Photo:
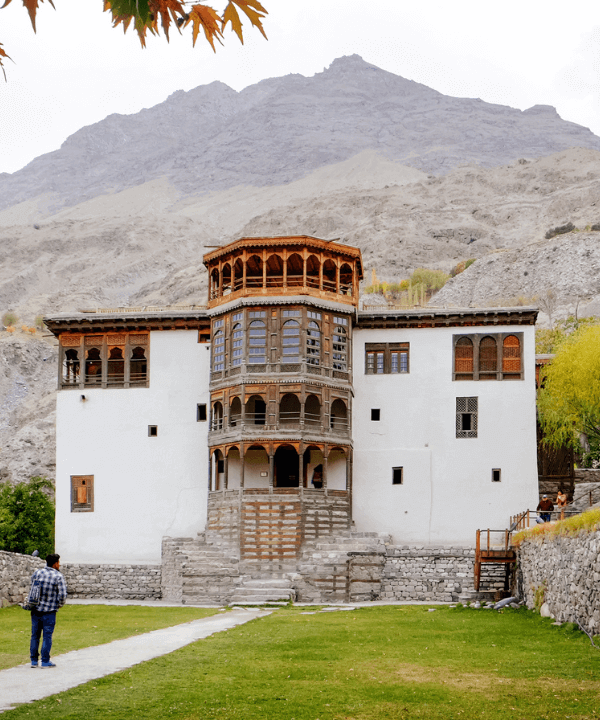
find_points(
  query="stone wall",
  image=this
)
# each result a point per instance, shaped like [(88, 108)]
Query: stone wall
[(565, 574), (435, 574), (128, 582), (585, 475), (15, 576)]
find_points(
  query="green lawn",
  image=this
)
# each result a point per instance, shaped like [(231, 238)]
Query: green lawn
[(80, 626), (375, 663)]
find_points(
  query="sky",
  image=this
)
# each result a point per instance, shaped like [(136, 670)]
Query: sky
[(77, 69)]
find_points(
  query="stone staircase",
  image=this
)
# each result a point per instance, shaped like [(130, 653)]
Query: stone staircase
[(343, 567), (257, 591), (197, 572)]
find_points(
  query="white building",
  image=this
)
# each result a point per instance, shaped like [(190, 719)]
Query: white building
[(303, 416)]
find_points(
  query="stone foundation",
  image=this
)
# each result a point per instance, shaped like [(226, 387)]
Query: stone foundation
[(127, 582), (15, 576)]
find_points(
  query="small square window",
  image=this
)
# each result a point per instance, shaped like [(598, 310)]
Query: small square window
[(201, 412), (152, 430), (496, 475), (397, 476), (204, 336), (375, 414)]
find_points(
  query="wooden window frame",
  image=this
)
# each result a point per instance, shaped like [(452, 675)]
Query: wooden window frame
[(467, 406), (76, 483), (486, 375), (376, 352)]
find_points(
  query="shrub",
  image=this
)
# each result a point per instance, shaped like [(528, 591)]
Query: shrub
[(461, 267), (559, 230), (10, 329), (39, 322), (27, 517), (9, 318)]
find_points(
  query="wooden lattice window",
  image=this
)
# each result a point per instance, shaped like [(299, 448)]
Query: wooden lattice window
[(386, 358), (463, 359), (488, 358), (511, 357), (82, 493), (466, 417)]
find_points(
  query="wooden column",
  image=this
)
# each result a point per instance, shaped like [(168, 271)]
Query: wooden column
[(221, 279), (210, 457), (271, 470), (337, 277), (284, 255), (244, 269), (264, 261), (325, 462), (225, 471), (301, 468), (304, 268), (241, 466), (321, 272)]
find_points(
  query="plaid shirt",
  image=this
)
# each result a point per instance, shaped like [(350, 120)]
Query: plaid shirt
[(53, 589)]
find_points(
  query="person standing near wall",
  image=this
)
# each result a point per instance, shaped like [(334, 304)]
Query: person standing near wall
[(545, 507), (53, 594)]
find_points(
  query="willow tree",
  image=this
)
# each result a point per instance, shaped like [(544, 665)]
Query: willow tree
[(159, 16), (569, 401)]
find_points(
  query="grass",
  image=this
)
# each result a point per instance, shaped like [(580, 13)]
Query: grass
[(383, 663), (587, 521), (80, 626)]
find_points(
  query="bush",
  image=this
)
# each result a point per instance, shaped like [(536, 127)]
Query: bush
[(461, 267), (9, 318), (27, 517), (559, 230)]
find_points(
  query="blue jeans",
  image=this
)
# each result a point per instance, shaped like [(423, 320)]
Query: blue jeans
[(41, 622)]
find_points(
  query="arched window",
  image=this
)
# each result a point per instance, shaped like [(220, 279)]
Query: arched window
[(116, 366), (217, 416), (237, 343), (238, 274), (291, 342), (338, 415), (93, 367), (254, 272), (235, 412), (289, 410), (218, 351), (313, 266), (295, 271), (214, 284), (340, 348), (256, 411), (312, 411), (463, 359), (71, 367), (226, 275), (274, 271), (488, 358), (346, 279), (511, 357), (257, 342), (138, 366), (329, 276), (313, 344)]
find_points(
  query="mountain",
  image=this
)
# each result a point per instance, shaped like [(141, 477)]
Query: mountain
[(123, 213), (279, 130)]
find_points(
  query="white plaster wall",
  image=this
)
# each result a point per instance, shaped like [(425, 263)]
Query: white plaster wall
[(144, 487), (447, 492)]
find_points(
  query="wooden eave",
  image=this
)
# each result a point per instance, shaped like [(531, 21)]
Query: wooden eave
[(287, 241), (138, 322), (454, 317)]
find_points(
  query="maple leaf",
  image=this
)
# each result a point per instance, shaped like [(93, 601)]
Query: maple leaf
[(32, 6), (251, 8), (3, 55), (203, 16)]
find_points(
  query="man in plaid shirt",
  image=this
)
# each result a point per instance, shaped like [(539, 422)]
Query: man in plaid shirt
[(53, 594)]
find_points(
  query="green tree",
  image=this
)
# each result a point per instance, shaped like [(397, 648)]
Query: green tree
[(569, 401), (27, 517), (9, 318)]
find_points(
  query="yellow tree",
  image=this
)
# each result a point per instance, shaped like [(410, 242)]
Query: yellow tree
[(154, 16), (569, 401)]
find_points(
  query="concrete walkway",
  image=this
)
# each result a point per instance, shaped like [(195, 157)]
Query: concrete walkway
[(24, 684)]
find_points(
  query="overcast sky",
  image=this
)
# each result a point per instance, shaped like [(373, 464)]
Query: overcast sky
[(77, 69)]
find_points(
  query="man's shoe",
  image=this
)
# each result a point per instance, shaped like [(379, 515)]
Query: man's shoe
[(34, 663), (48, 664)]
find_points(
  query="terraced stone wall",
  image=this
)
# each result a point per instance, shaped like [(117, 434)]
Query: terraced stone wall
[(563, 572), (127, 582), (15, 576)]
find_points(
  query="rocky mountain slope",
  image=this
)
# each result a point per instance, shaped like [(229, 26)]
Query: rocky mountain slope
[(213, 138), (124, 211)]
